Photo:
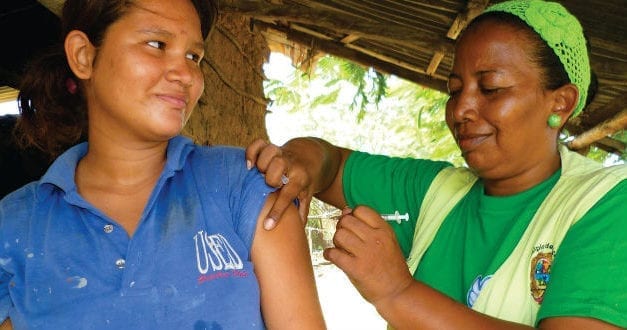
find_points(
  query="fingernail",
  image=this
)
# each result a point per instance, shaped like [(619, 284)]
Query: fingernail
[(346, 210), (269, 224), (249, 164)]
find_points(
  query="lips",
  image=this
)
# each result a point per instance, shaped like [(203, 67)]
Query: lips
[(468, 142), (177, 101)]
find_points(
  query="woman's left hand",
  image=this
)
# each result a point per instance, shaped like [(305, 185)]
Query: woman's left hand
[(366, 249)]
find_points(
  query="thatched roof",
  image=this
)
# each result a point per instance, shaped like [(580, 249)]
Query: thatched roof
[(414, 39)]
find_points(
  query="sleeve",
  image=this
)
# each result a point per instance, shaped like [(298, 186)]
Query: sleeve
[(248, 192), (251, 199), (5, 299), (389, 185), (588, 275), (224, 180), (5, 278)]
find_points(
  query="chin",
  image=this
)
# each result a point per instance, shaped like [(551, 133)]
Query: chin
[(477, 163), (169, 130)]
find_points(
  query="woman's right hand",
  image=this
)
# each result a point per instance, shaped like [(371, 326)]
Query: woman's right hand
[(285, 171)]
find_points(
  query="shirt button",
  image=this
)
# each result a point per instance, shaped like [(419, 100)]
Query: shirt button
[(120, 263), (108, 229)]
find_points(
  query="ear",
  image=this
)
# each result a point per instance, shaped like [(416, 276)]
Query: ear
[(80, 54), (565, 101)]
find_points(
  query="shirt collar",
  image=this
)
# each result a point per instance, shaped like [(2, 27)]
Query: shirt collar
[(62, 171), (179, 148)]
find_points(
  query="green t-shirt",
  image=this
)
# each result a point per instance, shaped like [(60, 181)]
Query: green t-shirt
[(586, 277)]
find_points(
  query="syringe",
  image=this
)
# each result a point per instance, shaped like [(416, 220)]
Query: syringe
[(395, 217)]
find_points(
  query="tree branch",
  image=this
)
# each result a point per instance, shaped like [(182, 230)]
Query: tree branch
[(606, 128)]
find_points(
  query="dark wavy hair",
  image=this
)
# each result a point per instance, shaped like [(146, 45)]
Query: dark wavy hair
[(51, 117), (554, 74)]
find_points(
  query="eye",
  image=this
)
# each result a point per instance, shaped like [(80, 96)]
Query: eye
[(194, 57), (453, 93), (156, 44), (490, 91), (454, 87), (454, 90)]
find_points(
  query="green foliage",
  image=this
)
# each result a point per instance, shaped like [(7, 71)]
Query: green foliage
[(622, 137), (386, 114), (332, 78), (325, 98)]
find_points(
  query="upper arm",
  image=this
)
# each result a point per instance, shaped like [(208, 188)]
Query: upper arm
[(567, 323), (334, 194), (587, 276), (6, 325), (283, 267)]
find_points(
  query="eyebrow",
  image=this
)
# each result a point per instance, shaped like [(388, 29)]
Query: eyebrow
[(483, 72), (480, 73), (166, 34)]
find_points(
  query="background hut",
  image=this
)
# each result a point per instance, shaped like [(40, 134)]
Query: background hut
[(412, 39)]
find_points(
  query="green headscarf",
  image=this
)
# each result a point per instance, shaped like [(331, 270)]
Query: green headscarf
[(562, 32)]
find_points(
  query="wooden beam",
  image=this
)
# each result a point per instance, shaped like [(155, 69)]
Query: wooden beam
[(607, 45), (320, 36), (310, 32), (349, 39), (289, 33), (603, 130), (611, 146), (473, 9), (339, 22), (8, 94), (394, 61), (54, 6), (435, 62), (358, 55), (612, 70), (438, 5), (390, 12), (591, 117)]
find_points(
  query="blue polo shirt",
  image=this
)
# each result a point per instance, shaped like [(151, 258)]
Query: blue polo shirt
[(66, 265)]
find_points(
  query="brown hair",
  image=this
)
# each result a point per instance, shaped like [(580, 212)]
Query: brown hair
[(53, 110)]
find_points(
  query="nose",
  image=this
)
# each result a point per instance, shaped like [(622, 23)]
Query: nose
[(180, 70), (462, 107)]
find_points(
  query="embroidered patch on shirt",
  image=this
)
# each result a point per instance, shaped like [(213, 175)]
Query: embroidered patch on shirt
[(540, 272)]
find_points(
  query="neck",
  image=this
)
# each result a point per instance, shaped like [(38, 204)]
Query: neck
[(118, 178), (524, 180), (121, 166)]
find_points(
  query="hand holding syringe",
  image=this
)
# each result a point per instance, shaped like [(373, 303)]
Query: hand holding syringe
[(396, 216)]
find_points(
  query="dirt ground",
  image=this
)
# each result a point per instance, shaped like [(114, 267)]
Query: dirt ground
[(343, 307)]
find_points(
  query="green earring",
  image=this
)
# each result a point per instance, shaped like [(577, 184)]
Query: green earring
[(554, 121)]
